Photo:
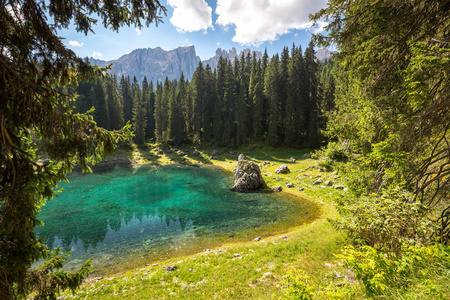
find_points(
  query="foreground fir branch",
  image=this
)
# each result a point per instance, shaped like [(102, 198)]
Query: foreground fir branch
[(37, 121)]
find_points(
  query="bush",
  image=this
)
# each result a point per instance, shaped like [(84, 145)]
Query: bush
[(386, 221), (298, 286), (419, 271)]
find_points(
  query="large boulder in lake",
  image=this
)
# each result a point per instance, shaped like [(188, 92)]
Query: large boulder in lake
[(247, 176)]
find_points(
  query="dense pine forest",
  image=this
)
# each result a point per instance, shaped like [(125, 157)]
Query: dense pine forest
[(281, 100)]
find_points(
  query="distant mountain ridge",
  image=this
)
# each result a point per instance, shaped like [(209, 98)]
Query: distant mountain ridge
[(229, 55), (157, 64)]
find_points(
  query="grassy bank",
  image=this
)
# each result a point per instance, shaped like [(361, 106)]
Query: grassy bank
[(244, 270)]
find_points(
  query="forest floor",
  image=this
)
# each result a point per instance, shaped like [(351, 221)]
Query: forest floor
[(264, 269)]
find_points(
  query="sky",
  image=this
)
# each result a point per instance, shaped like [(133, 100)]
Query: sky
[(208, 25)]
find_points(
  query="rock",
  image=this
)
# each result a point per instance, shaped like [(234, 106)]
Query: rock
[(292, 160), (195, 153), (339, 187), (160, 152), (267, 274), (257, 239), (215, 153), (318, 181), (183, 159), (306, 156), (171, 269), (266, 162), (322, 186), (283, 169), (247, 176), (300, 189), (334, 173), (290, 185), (181, 153), (214, 157), (328, 182), (236, 255), (277, 189), (241, 157)]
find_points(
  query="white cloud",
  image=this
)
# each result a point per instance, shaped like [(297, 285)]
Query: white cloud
[(218, 43), (75, 44), (258, 21), (191, 15), (96, 54), (320, 27), (138, 31)]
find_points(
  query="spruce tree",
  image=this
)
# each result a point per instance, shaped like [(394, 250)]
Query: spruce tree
[(160, 113), (139, 113), (176, 118), (115, 106), (150, 109), (127, 97), (101, 114), (271, 90), (311, 67)]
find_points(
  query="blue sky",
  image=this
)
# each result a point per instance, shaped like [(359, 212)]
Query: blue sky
[(208, 25)]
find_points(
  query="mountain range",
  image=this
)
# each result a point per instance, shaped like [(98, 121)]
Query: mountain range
[(157, 64)]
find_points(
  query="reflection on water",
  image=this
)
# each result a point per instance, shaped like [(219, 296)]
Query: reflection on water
[(151, 211)]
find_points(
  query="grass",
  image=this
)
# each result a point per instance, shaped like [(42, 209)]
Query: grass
[(244, 270)]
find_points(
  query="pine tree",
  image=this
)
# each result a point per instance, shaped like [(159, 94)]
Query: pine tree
[(271, 90), (311, 67), (219, 107), (176, 118), (127, 97), (150, 109), (115, 106), (198, 84), (210, 94), (139, 113), (160, 113), (101, 114)]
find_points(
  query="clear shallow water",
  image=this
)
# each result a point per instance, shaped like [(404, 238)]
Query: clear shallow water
[(127, 217)]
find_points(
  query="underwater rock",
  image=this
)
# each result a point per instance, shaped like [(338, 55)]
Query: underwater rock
[(283, 169), (247, 176)]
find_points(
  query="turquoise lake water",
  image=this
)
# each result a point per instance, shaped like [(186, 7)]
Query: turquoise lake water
[(130, 216)]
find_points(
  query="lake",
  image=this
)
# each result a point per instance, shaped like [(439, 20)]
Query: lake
[(127, 217)]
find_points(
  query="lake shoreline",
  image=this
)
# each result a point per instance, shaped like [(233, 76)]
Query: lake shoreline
[(310, 245)]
